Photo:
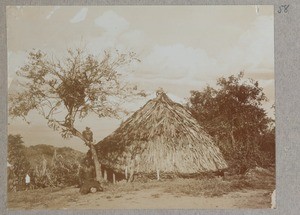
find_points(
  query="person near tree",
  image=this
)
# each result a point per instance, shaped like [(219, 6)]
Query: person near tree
[(27, 181), (88, 134)]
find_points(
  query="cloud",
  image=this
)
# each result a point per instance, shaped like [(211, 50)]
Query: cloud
[(53, 11), (253, 53), (112, 23), (254, 50), (116, 34), (80, 16), (15, 61), (192, 68), (135, 40), (177, 61)]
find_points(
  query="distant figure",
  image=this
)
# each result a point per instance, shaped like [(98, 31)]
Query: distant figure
[(88, 134), (273, 200), (27, 181)]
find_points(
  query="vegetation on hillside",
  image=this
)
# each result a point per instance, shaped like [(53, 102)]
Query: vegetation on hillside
[(20, 165), (46, 165)]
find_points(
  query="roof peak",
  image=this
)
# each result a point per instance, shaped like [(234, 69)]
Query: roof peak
[(161, 96), (159, 92)]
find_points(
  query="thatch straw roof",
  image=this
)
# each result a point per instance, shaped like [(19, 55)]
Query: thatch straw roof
[(163, 136)]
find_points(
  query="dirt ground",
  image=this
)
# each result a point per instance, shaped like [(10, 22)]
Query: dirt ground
[(155, 199), (149, 198)]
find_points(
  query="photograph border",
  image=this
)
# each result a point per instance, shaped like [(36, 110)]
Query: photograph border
[(287, 103)]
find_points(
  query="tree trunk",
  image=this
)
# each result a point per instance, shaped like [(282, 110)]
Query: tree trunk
[(130, 179), (105, 175), (114, 178), (232, 139), (131, 173), (94, 154), (96, 163)]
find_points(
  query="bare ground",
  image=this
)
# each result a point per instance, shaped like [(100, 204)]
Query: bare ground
[(153, 195)]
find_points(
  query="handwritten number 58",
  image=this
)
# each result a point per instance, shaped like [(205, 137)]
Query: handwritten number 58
[(283, 8)]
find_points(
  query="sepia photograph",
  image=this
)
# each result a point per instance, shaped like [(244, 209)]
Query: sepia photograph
[(141, 107)]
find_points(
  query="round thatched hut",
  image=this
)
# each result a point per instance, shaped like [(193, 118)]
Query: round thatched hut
[(162, 136)]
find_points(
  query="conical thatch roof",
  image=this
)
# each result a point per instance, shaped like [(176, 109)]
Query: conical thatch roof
[(162, 135)]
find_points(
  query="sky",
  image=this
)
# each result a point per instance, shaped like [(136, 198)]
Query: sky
[(181, 48)]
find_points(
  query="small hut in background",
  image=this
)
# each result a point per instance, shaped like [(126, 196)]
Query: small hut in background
[(161, 137)]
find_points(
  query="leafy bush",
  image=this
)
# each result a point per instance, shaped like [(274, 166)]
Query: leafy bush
[(43, 164), (60, 172), (18, 161), (233, 114)]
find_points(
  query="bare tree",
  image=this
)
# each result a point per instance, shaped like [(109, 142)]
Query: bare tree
[(63, 92)]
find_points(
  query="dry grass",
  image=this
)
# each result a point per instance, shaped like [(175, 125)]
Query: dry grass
[(42, 198), (179, 187), (208, 187), (217, 187), (163, 136)]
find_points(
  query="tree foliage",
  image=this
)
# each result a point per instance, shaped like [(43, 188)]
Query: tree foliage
[(64, 91), (79, 85), (233, 114), (18, 160)]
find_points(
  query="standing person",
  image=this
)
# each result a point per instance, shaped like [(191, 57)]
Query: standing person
[(27, 181)]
